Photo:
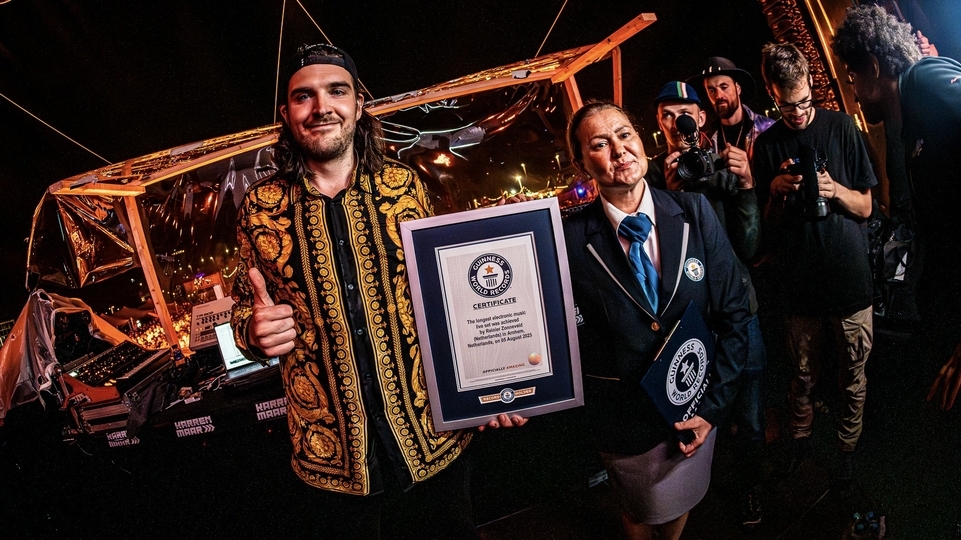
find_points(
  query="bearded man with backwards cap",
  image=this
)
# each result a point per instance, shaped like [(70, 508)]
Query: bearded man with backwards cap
[(323, 285)]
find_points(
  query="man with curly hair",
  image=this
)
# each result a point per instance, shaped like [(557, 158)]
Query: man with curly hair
[(919, 100), (323, 285)]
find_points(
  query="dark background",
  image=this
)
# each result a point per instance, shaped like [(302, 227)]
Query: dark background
[(129, 78), (126, 79)]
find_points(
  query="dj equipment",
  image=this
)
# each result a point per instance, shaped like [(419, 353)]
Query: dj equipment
[(121, 366), (98, 390), (204, 319)]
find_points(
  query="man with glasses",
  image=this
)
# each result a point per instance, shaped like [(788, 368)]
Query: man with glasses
[(323, 285), (818, 240)]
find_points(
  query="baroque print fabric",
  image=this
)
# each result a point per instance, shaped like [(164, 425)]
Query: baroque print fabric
[(284, 229)]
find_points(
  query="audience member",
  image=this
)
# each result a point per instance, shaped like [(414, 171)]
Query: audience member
[(918, 98), (730, 190), (725, 85)]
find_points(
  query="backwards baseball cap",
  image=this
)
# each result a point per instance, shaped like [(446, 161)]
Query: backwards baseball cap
[(320, 53), (718, 65), (677, 91)]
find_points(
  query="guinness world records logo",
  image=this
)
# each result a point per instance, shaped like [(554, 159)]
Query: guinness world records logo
[(490, 275), (687, 372)]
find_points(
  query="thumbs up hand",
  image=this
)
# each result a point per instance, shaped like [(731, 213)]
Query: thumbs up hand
[(271, 328)]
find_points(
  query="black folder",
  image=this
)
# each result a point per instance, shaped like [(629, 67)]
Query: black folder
[(680, 375)]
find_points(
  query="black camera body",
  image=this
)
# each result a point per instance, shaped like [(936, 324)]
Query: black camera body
[(695, 164), (807, 166)]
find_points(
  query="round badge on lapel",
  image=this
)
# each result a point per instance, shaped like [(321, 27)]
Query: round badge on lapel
[(694, 269), (655, 326)]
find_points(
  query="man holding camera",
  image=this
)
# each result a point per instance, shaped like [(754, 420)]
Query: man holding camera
[(737, 126), (814, 180), (725, 180)]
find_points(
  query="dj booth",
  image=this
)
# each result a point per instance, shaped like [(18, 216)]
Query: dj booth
[(130, 440), (216, 406), (173, 445), (114, 393)]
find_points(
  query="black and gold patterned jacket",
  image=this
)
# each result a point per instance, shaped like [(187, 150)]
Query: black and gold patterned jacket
[(355, 374)]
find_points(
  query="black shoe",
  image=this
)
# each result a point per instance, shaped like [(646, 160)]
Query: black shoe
[(751, 509)]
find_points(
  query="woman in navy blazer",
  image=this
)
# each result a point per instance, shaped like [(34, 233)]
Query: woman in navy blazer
[(657, 477)]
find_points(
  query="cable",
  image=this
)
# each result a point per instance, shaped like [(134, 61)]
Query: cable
[(108, 162), (538, 53), (319, 29), (283, 12), (315, 22)]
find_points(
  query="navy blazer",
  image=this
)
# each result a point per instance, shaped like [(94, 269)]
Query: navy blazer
[(619, 332)]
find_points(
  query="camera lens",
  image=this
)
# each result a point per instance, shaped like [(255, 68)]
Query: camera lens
[(694, 164)]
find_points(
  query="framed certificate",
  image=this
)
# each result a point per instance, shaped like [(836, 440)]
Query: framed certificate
[(492, 300)]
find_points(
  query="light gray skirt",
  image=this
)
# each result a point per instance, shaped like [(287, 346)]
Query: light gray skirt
[(661, 485)]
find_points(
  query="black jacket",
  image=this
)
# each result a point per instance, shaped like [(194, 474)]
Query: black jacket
[(618, 332)]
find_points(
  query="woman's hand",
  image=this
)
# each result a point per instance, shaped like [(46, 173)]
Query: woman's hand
[(701, 428), (504, 421)]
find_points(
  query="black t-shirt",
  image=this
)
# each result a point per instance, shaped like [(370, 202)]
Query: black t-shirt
[(822, 264), (736, 135)]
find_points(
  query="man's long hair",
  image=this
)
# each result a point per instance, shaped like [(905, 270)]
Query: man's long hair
[(368, 135), (368, 146), (869, 30), (784, 64)]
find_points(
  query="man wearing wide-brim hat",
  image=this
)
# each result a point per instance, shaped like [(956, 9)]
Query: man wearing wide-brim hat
[(725, 85)]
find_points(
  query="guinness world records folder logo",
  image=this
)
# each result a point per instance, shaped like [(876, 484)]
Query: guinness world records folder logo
[(490, 275), (687, 372)]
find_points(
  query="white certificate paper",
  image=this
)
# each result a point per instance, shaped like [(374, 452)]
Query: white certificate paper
[(495, 311)]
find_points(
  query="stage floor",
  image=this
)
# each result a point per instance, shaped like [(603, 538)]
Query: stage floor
[(528, 483)]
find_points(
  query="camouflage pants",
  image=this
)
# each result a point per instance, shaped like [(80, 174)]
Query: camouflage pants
[(853, 336)]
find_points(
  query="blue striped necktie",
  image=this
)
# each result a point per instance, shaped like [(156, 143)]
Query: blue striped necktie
[(636, 229)]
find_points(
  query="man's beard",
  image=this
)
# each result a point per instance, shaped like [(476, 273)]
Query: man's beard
[(321, 149), (731, 108)]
